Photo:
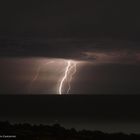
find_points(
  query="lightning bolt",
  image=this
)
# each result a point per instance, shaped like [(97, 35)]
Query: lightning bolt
[(69, 71), (38, 73), (70, 66), (65, 76), (38, 70), (73, 69)]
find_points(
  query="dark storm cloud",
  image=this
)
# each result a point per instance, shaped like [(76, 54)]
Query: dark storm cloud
[(70, 29), (98, 50), (92, 50), (71, 18), (94, 19)]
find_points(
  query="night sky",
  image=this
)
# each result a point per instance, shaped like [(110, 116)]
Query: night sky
[(102, 37)]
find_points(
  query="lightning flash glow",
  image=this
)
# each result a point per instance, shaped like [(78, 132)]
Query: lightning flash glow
[(64, 83), (38, 72), (70, 70), (73, 71)]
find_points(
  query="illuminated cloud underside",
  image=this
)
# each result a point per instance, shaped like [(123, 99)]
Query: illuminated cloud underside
[(67, 68)]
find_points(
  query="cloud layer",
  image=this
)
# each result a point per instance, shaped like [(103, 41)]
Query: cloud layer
[(92, 50)]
